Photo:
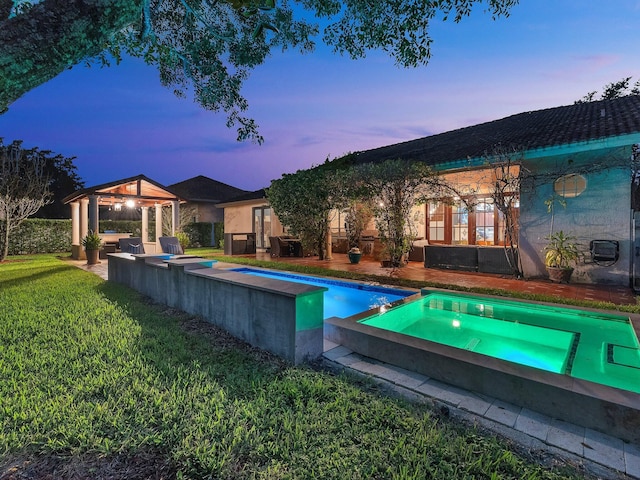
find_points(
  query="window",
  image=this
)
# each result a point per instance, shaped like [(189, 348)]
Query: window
[(459, 225), (514, 213), (454, 224), (262, 226), (436, 222), (570, 186), (485, 227)]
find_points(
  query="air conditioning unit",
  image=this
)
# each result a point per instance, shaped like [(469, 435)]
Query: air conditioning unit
[(604, 250)]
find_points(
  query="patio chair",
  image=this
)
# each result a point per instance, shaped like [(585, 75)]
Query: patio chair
[(131, 245), (171, 245), (280, 246)]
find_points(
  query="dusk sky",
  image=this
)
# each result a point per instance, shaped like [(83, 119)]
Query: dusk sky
[(121, 122)]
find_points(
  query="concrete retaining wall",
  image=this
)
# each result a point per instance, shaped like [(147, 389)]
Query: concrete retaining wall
[(282, 317)]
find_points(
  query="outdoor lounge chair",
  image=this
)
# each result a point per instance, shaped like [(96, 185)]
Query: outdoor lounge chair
[(171, 245), (131, 245)]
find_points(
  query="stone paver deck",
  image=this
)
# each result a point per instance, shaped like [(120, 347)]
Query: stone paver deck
[(600, 454)]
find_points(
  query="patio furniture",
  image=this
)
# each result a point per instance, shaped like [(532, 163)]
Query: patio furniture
[(285, 246), (239, 243), (416, 254), (278, 248), (106, 249), (131, 245), (171, 245)]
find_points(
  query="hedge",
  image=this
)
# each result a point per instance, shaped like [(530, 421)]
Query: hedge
[(199, 234), (37, 235)]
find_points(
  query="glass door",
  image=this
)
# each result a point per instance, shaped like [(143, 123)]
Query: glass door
[(262, 226)]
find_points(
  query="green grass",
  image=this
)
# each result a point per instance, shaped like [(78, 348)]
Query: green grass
[(89, 369)]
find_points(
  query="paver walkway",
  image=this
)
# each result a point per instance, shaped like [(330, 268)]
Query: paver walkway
[(602, 455)]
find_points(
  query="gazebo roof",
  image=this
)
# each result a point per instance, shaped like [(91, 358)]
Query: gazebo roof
[(141, 189)]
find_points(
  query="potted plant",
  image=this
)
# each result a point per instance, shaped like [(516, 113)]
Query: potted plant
[(183, 239), (560, 254), (92, 244), (354, 255)]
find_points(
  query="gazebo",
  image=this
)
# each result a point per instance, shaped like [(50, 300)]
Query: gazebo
[(133, 192)]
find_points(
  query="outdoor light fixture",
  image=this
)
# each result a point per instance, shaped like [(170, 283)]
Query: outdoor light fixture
[(117, 206), (130, 204)]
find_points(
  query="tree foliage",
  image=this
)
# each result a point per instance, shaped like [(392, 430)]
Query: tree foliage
[(394, 188), (508, 173), (64, 180), (621, 88), (304, 202), (207, 48), (24, 187)]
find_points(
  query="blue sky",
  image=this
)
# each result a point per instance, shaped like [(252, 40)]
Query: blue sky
[(121, 122)]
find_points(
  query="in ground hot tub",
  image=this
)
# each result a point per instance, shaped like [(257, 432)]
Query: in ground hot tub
[(578, 365)]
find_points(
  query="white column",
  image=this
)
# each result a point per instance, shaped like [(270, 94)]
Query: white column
[(84, 217), (75, 223), (145, 224), (93, 213), (158, 226), (175, 217)]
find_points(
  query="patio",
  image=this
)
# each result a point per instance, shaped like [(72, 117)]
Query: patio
[(416, 271)]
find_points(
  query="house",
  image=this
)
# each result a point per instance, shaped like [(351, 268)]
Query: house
[(250, 213), (577, 171), (202, 195)]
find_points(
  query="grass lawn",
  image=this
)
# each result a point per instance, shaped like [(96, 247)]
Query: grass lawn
[(96, 382)]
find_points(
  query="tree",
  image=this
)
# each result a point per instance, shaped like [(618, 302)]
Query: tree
[(612, 90), (208, 47), (24, 187), (304, 202), (394, 188), (185, 217), (64, 180), (506, 184), (358, 215)]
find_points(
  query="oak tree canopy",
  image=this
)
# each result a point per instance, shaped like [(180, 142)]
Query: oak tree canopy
[(207, 48)]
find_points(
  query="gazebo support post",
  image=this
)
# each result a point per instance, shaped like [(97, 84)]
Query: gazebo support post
[(84, 226), (175, 217), (158, 226), (145, 224), (76, 248), (93, 213)]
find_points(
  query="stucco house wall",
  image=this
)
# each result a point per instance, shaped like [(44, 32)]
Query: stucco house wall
[(207, 212), (239, 218), (601, 212)]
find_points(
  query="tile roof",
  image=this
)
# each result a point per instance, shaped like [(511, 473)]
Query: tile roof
[(557, 126), (256, 195), (205, 189)]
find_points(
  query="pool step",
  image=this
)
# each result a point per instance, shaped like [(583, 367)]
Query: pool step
[(472, 344)]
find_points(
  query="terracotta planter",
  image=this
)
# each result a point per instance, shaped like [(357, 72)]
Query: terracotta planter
[(92, 257), (559, 275)]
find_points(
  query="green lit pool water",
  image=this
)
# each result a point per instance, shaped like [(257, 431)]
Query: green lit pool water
[(597, 347)]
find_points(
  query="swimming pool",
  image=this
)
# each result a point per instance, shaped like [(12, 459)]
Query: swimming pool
[(342, 299), (593, 346)]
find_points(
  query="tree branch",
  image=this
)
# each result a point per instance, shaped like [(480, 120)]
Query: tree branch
[(55, 35)]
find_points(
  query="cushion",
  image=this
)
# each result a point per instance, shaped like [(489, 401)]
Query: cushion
[(136, 248)]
